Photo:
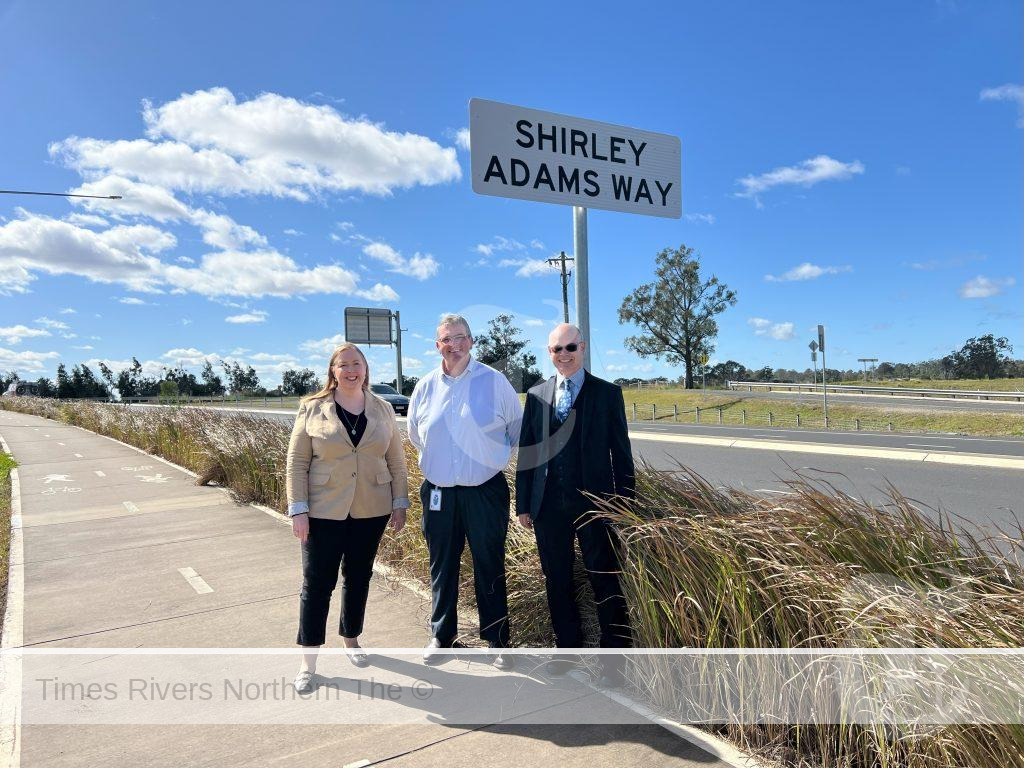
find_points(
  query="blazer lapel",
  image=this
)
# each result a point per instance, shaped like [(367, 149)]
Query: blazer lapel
[(548, 412), (588, 409), (334, 425)]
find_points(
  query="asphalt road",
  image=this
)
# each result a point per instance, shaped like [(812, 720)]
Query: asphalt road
[(877, 401), (986, 496)]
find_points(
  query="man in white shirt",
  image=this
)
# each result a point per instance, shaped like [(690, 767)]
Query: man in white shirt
[(464, 418)]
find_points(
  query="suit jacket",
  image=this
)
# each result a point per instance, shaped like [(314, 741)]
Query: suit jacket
[(606, 460), (336, 478)]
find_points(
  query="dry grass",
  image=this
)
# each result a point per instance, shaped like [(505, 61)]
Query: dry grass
[(704, 567), (7, 463)]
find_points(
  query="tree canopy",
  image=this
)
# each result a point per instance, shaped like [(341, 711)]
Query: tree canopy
[(501, 348)]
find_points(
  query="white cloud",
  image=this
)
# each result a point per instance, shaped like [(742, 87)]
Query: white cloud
[(982, 287), (138, 199), (411, 363), (503, 244), (530, 267), (121, 254), (613, 367), (807, 271), (419, 266), (293, 232), (25, 361), (613, 352), (68, 311), (84, 347), (15, 334), (462, 138), (768, 329), (132, 301), (700, 218), (189, 356), (256, 316), (209, 142), (55, 324), (805, 174), (86, 220), (1012, 92), (534, 322), (322, 347), (537, 244)]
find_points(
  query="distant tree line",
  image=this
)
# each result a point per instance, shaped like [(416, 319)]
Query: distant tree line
[(82, 382), (984, 357)]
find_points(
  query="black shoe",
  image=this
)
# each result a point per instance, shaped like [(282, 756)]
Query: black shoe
[(502, 661)]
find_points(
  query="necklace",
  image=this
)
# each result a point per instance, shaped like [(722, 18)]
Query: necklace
[(351, 427)]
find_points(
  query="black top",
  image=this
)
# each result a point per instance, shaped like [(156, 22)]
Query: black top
[(354, 424)]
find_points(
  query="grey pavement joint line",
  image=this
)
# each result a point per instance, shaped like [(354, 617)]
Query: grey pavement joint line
[(716, 746)]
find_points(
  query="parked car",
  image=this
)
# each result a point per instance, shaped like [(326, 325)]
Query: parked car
[(399, 402)]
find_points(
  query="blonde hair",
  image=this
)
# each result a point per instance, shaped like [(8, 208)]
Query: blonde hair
[(332, 382)]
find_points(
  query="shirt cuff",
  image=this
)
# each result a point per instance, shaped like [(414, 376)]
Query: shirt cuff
[(298, 508), (400, 503)]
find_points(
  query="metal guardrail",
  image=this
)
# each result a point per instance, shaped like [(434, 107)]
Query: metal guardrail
[(965, 394), (719, 415)]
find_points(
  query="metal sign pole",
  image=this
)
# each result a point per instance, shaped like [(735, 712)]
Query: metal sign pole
[(824, 372), (579, 239), (398, 352)]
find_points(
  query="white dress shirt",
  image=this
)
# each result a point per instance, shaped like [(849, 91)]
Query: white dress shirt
[(464, 426), (577, 382)]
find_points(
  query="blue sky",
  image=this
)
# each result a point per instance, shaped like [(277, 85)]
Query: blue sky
[(852, 164)]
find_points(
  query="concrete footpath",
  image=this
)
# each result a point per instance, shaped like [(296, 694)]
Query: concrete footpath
[(120, 550)]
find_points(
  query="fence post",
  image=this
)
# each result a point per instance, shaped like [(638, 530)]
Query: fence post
[(696, 415), (744, 412), (858, 425), (798, 419), (720, 414), (654, 411), (890, 426), (770, 420), (634, 411), (675, 412)]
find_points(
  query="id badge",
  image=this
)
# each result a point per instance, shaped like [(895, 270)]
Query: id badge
[(435, 499)]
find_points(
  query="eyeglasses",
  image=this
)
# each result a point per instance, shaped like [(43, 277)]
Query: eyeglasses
[(568, 348), (454, 339)]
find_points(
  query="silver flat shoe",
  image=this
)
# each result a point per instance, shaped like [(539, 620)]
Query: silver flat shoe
[(357, 656), (303, 682)]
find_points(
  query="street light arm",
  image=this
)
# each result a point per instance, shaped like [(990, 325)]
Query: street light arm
[(58, 194)]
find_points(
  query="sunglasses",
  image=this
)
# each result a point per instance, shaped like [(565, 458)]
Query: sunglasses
[(568, 348)]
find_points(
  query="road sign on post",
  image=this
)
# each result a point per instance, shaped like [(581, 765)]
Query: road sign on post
[(373, 325), (527, 154)]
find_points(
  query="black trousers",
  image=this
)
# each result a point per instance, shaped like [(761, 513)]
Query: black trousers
[(555, 527), (479, 513), (349, 545)]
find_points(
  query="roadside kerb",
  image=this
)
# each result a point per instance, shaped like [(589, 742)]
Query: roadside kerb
[(13, 633)]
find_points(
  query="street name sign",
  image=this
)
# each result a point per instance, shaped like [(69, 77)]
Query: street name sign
[(528, 154)]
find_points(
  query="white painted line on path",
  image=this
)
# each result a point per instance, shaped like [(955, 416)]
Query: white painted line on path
[(928, 445), (196, 581), (100, 473), (129, 506)]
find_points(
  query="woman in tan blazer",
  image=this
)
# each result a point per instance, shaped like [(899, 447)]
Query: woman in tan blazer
[(346, 477)]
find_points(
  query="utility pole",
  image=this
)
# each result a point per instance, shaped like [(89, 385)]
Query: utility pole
[(824, 372), (561, 259)]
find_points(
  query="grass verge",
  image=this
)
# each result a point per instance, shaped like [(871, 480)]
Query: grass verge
[(7, 463), (708, 567), (657, 405)]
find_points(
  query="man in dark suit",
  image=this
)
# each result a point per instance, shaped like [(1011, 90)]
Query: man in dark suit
[(574, 439)]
